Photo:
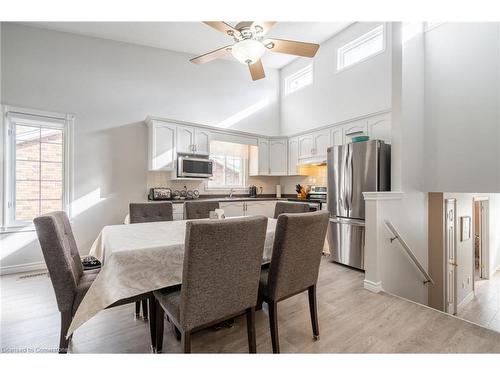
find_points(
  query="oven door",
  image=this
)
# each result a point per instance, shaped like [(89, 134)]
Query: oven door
[(194, 167)]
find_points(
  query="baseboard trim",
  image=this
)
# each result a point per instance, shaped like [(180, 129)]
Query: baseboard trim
[(465, 301), (19, 268), (375, 287)]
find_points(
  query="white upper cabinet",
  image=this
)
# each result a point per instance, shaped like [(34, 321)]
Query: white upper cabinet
[(185, 139), (193, 140), (201, 141), (321, 143), (355, 129), (293, 156), (278, 157), (306, 146), (379, 127), (337, 136), (161, 141), (263, 145)]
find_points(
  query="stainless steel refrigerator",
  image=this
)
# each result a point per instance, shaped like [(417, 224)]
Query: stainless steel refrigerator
[(354, 168)]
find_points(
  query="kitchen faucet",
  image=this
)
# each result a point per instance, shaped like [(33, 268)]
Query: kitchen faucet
[(230, 193)]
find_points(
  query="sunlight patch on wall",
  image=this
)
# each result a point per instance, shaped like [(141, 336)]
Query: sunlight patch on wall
[(85, 202), (247, 112)]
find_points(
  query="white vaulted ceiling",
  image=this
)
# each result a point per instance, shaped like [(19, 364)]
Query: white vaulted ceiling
[(195, 38)]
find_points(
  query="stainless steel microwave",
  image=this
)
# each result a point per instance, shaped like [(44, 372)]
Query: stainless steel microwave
[(189, 165)]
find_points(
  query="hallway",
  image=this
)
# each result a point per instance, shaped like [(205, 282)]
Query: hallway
[(484, 308)]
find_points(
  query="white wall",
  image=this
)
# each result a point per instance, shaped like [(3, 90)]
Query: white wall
[(111, 87), (462, 123), (333, 97)]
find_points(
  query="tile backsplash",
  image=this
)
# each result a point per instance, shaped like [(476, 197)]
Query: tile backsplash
[(162, 179)]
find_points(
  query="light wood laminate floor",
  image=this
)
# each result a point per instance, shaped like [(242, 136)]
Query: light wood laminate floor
[(351, 319), (484, 308)]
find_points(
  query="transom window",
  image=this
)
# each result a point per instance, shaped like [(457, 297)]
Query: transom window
[(362, 48), (299, 79), (36, 172), (230, 165)]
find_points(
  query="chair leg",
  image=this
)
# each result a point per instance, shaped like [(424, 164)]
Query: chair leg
[(65, 323), (252, 344), (313, 308), (137, 309), (152, 322), (260, 300), (273, 324), (160, 324), (145, 309), (186, 341)]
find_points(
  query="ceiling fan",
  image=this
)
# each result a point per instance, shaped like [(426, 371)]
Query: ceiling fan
[(250, 45)]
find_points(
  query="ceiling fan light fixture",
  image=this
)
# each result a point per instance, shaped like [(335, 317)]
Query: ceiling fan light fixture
[(248, 51)]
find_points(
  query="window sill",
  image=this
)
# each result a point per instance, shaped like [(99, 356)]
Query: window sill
[(17, 229)]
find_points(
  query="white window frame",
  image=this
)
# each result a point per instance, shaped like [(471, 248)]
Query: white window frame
[(375, 32), (18, 115), (228, 187), (301, 72)]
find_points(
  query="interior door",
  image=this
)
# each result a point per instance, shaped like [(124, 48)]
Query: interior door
[(451, 256)]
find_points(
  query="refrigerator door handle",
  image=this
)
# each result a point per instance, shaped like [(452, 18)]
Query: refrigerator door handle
[(349, 180)]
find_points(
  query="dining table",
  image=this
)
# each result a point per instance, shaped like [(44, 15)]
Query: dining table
[(137, 259)]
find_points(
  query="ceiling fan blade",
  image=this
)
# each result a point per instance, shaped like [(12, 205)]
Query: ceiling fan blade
[(243, 24), (257, 70), (265, 25), (291, 47), (222, 27), (209, 56)]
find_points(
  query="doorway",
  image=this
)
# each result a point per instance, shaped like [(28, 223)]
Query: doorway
[(451, 257), (480, 227)]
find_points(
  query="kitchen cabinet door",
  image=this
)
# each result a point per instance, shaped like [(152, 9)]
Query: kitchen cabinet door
[(321, 143), (265, 208), (306, 146), (278, 157), (232, 209), (337, 136), (202, 141), (263, 157), (161, 146), (355, 129), (185, 139), (293, 156)]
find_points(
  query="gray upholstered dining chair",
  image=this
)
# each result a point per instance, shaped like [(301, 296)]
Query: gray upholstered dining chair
[(294, 268), (290, 208), (69, 280), (220, 278), (146, 213), (199, 209)]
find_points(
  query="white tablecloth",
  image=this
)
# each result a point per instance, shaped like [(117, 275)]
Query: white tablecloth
[(139, 258)]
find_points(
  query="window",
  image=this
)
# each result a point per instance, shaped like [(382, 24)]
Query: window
[(299, 80), (360, 49), (37, 166), (230, 165)]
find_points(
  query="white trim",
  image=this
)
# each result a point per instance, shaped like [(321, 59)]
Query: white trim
[(10, 114), (359, 41), (308, 69), (25, 267), (150, 119), (375, 287), (383, 195), (469, 297)]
